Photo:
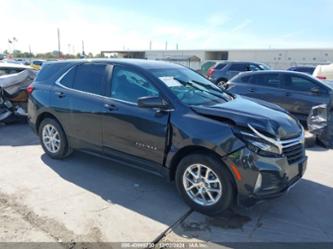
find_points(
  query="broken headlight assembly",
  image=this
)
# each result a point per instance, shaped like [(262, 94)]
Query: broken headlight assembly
[(258, 144)]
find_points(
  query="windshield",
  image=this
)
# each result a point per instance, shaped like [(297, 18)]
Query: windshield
[(190, 87), (264, 67)]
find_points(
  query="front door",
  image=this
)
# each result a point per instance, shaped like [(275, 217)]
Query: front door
[(138, 134), (299, 96)]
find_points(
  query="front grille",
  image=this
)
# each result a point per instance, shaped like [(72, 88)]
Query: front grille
[(294, 153)]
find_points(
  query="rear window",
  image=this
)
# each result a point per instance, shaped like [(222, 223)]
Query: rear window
[(51, 70)]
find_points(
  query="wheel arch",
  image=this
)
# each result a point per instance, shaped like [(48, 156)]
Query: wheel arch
[(195, 149), (43, 116)]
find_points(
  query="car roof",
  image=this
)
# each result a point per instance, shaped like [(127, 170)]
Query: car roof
[(239, 62), (310, 67), (271, 71), (141, 63)]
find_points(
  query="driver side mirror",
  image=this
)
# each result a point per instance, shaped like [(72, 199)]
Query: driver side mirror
[(153, 102)]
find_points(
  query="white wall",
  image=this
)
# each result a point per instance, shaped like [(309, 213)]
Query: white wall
[(283, 59)]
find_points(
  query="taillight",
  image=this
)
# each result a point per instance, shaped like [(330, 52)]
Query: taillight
[(30, 89), (321, 77), (210, 72)]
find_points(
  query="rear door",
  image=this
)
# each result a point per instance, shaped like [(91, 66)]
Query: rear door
[(137, 134), (300, 96), (265, 86), (82, 89)]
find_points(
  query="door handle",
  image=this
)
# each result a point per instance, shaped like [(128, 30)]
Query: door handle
[(288, 94), (111, 107), (251, 90), (60, 94)]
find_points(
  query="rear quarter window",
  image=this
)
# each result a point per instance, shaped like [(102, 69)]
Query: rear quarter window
[(50, 71)]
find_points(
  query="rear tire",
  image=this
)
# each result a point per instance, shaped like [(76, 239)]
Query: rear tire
[(53, 139), (194, 189)]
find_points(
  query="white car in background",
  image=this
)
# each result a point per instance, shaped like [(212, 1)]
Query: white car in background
[(12, 68), (324, 72)]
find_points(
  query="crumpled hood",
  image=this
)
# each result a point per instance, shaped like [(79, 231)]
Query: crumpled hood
[(261, 115)]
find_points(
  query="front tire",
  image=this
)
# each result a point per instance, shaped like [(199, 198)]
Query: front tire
[(222, 84), (205, 184), (53, 139)]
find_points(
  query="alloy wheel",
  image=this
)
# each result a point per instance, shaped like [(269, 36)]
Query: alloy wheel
[(51, 138), (202, 185)]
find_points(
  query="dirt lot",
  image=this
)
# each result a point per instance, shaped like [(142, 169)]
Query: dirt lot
[(90, 199)]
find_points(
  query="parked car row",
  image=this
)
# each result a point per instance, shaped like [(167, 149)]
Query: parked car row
[(221, 72), (295, 89), (296, 92)]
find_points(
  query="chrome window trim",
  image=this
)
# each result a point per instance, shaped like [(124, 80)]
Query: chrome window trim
[(58, 82)]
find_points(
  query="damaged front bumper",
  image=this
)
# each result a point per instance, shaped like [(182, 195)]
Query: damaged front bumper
[(265, 177)]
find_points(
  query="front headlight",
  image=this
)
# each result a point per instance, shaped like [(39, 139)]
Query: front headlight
[(258, 144)]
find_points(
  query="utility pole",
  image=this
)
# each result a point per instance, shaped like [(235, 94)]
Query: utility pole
[(83, 53), (166, 45), (177, 46), (59, 49), (30, 53), (150, 45)]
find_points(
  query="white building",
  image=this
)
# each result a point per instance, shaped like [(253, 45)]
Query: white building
[(276, 58)]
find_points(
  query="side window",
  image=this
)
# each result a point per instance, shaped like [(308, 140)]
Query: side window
[(128, 85), (245, 79), (239, 67), (220, 66), (68, 79), (90, 78), (299, 83), (269, 80)]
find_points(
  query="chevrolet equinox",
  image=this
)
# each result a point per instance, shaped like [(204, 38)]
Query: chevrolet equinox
[(220, 149)]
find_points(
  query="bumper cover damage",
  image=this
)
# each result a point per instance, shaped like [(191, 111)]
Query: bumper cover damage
[(266, 177)]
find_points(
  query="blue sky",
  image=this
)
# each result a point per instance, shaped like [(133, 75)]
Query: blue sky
[(126, 24)]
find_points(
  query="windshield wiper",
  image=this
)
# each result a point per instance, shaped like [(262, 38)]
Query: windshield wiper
[(195, 85), (225, 91)]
